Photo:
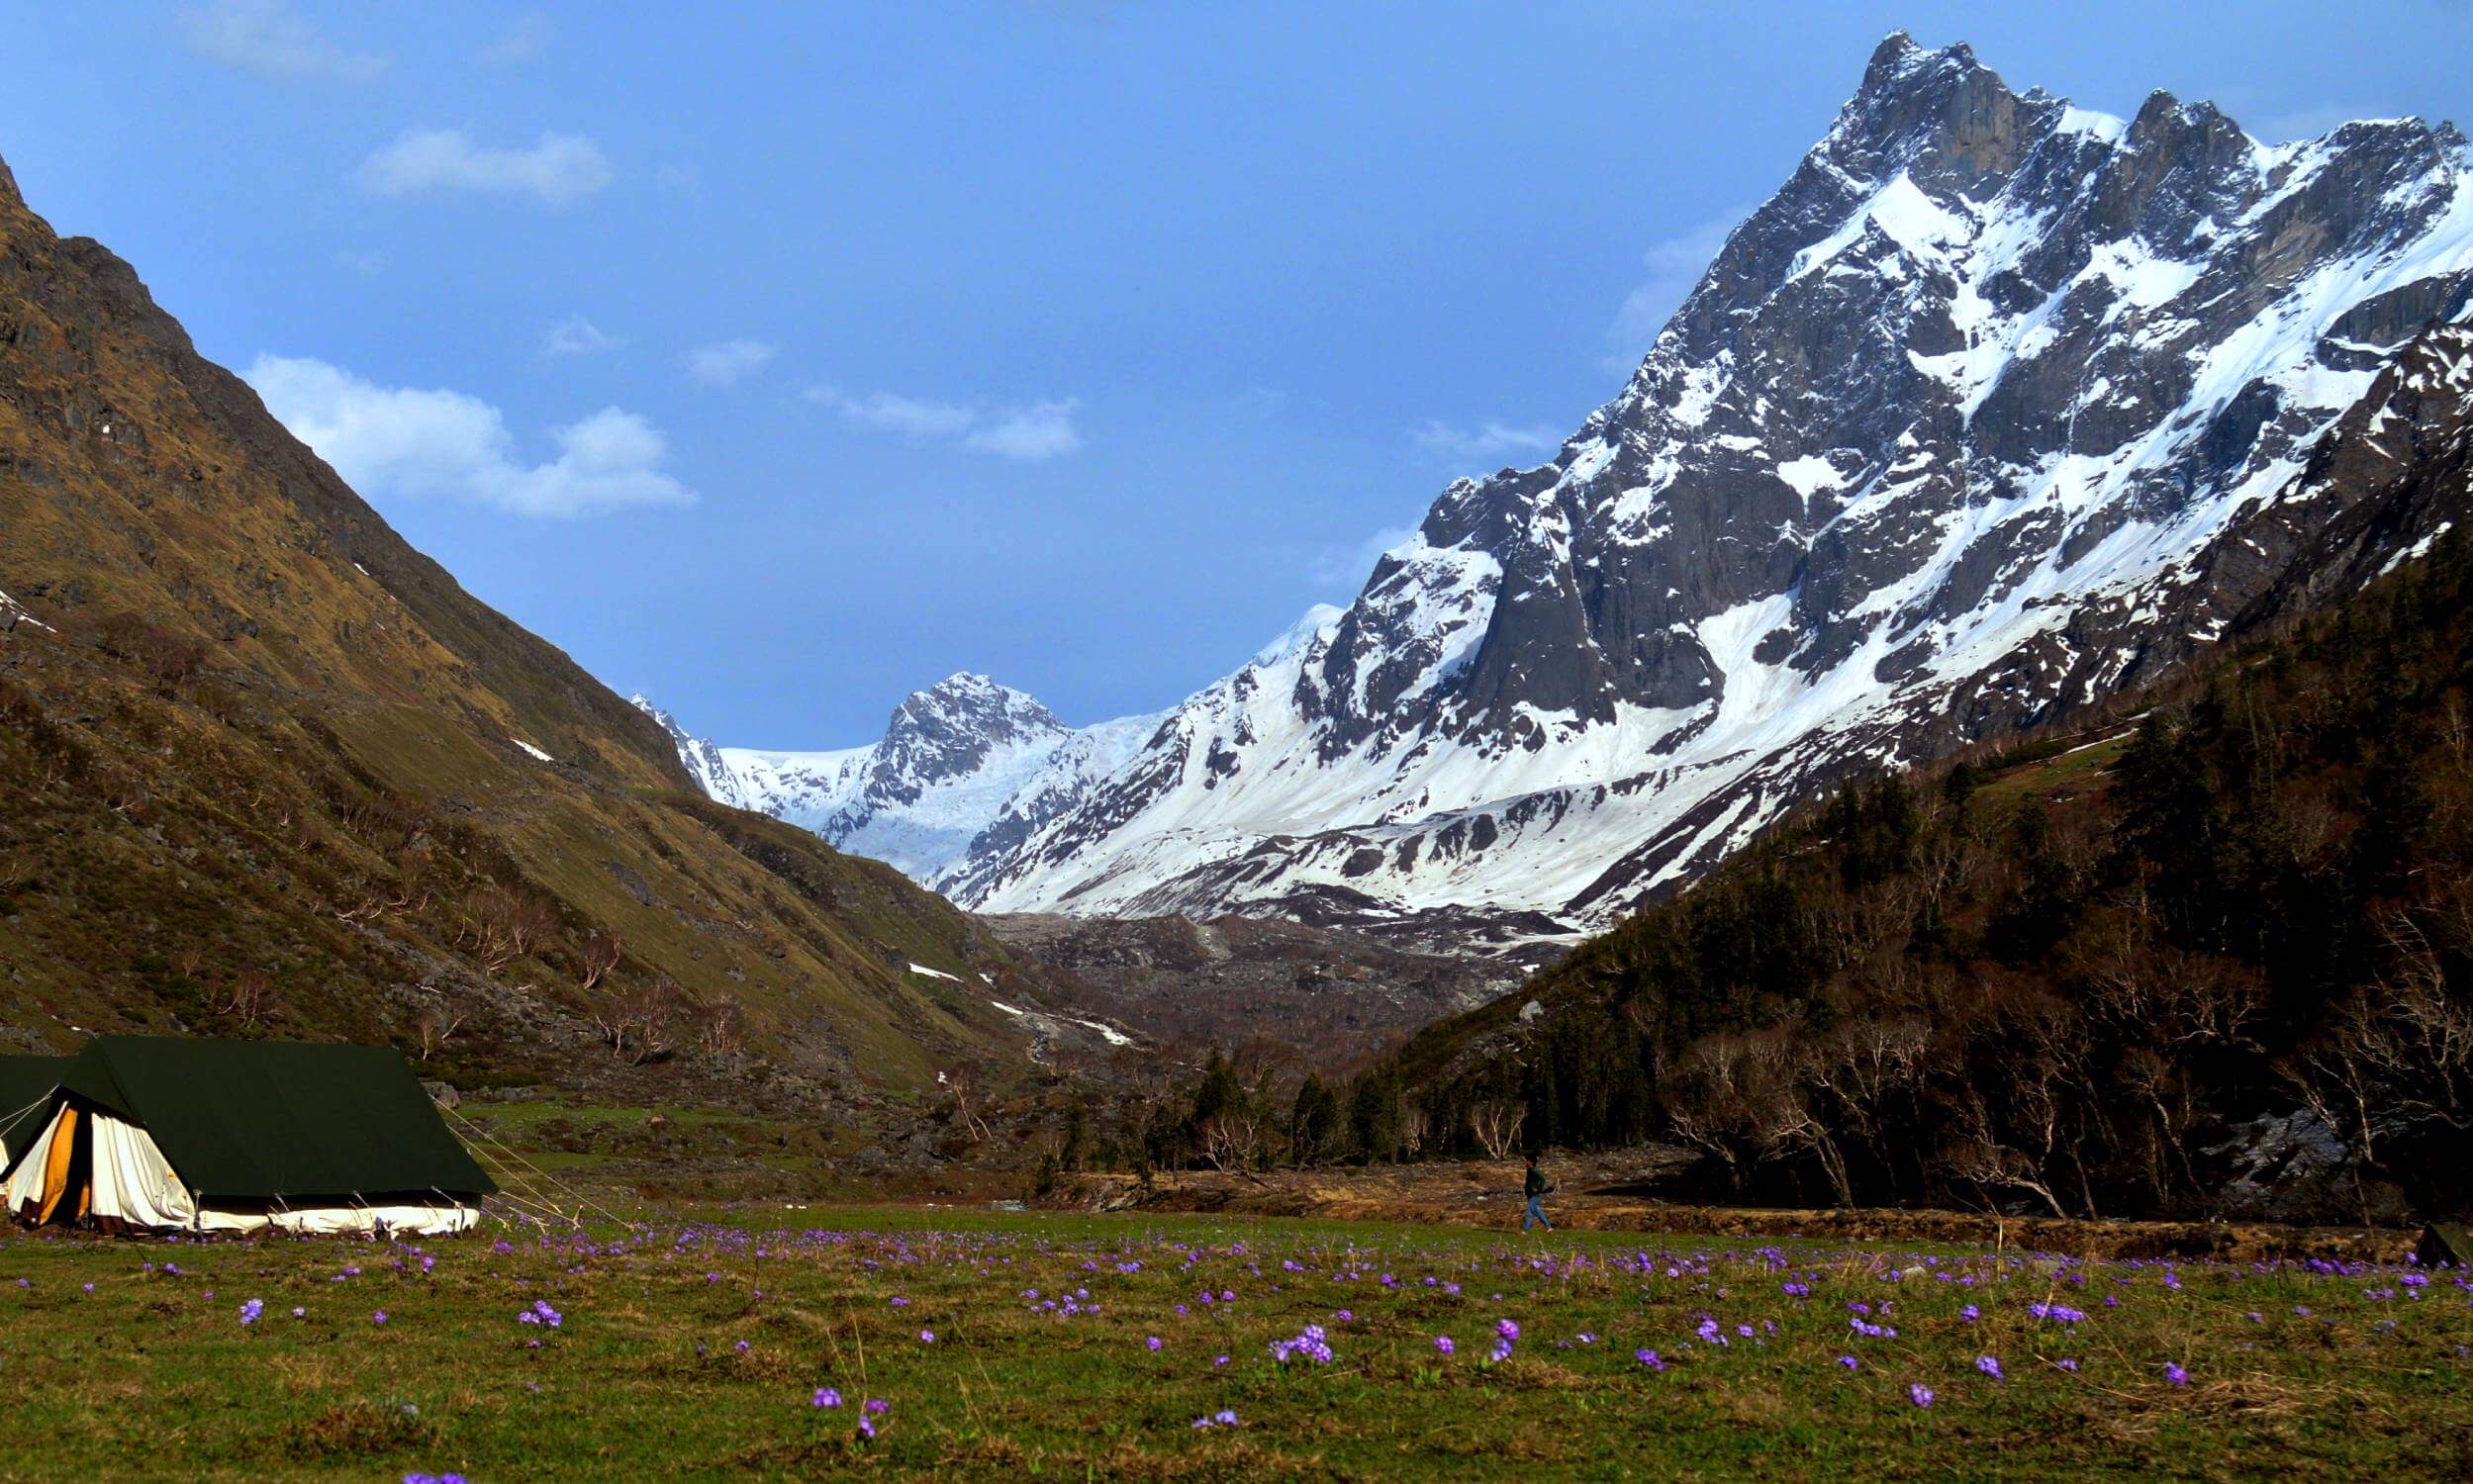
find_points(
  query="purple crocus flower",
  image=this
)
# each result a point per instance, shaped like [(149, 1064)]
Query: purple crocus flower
[(1920, 1394)]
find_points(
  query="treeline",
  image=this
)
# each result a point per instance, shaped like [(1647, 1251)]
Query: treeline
[(2070, 981)]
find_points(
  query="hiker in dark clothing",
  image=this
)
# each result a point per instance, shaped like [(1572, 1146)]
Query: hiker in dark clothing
[(1535, 1188)]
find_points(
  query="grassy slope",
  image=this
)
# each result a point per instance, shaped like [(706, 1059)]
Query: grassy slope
[(698, 1349), (256, 713)]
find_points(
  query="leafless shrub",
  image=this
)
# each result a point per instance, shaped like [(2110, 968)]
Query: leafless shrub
[(507, 924), (435, 1025), (599, 953), (720, 1026), (248, 997), (165, 658), (640, 1020)]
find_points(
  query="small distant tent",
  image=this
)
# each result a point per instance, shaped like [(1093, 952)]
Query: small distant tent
[(2444, 1242), (27, 1085), (154, 1134)]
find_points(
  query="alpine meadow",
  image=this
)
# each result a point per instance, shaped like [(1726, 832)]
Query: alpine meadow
[(1895, 899)]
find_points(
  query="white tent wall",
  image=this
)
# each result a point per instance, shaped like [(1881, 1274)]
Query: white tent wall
[(131, 1183), (24, 1192), (132, 1179)]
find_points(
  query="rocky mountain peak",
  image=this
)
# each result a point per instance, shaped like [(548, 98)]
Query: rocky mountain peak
[(951, 729), (1986, 368), (1941, 444)]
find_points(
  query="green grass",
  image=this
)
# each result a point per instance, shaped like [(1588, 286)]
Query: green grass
[(695, 1348)]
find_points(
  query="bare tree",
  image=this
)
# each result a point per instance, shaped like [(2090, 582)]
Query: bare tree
[(598, 952), (507, 924), (1706, 1101), (721, 1025), (1234, 1140), (962, 1084), (248, 995), (1496, 1124), (437, 1024), (1975, 1154), (2395, 1058), (640, 1020)]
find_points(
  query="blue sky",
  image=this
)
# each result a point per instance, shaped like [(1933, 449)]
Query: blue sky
[(779, 360)]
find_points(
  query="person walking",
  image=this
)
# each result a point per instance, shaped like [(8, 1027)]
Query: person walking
[(1535, 1188)]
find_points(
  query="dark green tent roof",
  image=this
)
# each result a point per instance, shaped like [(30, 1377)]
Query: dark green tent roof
[(280, 1120), (26, 1085)]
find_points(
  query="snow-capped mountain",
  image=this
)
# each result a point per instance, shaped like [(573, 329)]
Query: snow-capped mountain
[(1997, 406), (953, 758)]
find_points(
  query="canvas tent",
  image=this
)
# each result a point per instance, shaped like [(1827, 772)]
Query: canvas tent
[(2444, 1242), (153, 1134), (27, 1086)]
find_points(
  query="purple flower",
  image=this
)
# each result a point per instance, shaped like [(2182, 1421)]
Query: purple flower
[(1443, 1344), (1990, 1365), (1849, 1361), (1649, 1358), (250, 1310), (875, 1405), (2176, 1374), (1152, 1342), (378, 1318), (928, 1337), (1920, 1394), (826, 1396)]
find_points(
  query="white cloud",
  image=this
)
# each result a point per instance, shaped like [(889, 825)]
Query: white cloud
[(1486, 440), (526, 37), (264, 37), (577, 336), (1030, 431), (1041, 430), (908, 415), (405, 442), (557, 169), (1349, 566), (1674, 267), (728, 362)]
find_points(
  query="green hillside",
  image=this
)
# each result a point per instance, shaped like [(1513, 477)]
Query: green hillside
[(265, 770)]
